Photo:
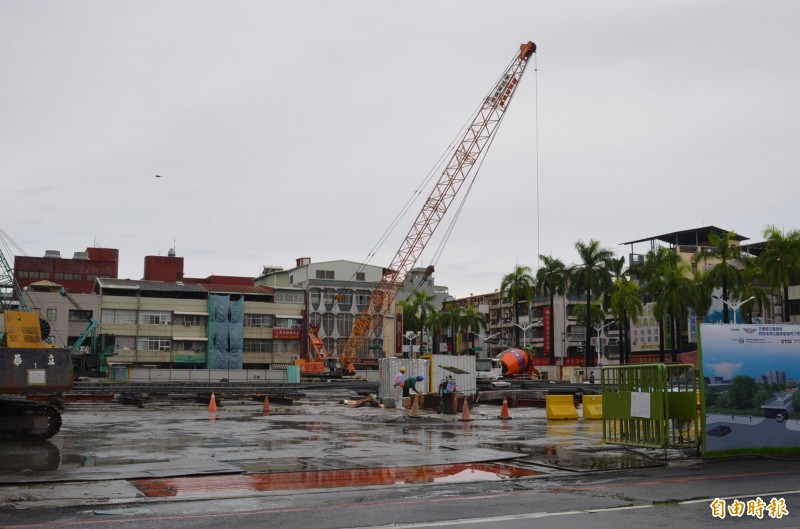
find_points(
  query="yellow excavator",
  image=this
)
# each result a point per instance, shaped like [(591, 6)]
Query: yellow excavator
[(28, 365)]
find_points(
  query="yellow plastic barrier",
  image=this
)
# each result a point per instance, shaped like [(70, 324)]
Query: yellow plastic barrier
[(592, 406), (561, 407)]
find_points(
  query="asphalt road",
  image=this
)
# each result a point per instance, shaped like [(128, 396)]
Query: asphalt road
[(321, 464), (676, 496)]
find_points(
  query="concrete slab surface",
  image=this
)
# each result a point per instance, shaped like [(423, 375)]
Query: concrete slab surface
[(103, 447)]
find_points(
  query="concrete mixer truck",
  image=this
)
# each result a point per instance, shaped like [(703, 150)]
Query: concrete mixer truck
[(513, 363)]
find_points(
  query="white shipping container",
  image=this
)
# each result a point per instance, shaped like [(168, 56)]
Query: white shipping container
[(388, 368), (464, 381)]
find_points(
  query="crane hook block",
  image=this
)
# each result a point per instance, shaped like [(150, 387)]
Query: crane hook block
[(429, 271), (526, 50)]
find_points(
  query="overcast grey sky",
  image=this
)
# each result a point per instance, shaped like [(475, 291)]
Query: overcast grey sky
[(287, 129)]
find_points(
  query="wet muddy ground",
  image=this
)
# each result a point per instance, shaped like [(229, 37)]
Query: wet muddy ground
[(112, 452)]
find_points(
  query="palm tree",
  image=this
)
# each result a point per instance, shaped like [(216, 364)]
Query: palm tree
[(473, 321), (551, 281), (781, 261), (727, 272), (652, 283), (616, 270), (410, 319), (435, 325), (595, 320), (597, 315), (673, 302), (450, 317), (422, 302), (625, 303), (517, 287), (701, 295), (590, 276), (417, 309), (753, 276)]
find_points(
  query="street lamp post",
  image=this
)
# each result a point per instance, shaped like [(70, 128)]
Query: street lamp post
[(525, 329), (599, 330), (486, 339), (410, 336), (734, 306)]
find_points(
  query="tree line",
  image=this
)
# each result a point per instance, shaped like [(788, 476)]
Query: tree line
[(607, 285)]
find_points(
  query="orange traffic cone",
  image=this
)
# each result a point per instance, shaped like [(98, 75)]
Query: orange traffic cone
[(465, 414), (266, 404), (414, 413), (504, 410), (212, 405)]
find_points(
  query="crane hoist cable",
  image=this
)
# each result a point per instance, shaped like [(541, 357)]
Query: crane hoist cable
[(474, 142), (437, 254), (436, 169), (413, 198)]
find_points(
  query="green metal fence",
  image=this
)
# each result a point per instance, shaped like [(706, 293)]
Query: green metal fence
[(651, 405)]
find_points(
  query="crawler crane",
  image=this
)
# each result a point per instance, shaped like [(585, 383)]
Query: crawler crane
[(466, 154), (28, 365)]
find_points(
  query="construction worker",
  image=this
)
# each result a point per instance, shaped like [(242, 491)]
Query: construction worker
[(399, 382), (446, 389), (410, 385)]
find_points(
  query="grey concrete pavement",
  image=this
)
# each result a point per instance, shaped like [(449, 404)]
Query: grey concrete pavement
[(109, 453)]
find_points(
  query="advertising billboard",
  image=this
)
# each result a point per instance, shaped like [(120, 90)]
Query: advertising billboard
[(645, 331), (750, 374)]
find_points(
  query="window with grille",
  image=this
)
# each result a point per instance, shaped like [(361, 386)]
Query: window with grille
[(155, 318), (325, 274), (258, 320), (79, 315), (118, 316), (257, 346), (153, 344)]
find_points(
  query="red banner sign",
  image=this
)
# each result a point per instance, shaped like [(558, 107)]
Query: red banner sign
[(398, 335), (285, 334), (547, 330), (573, 360)]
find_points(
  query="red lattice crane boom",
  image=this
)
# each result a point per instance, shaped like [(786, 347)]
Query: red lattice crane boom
[(476, 138)]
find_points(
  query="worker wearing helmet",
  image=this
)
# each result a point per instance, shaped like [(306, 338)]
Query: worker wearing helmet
[(399, 382), (410, 385)]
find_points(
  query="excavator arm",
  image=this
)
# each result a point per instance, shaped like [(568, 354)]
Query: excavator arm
[(460, 166)]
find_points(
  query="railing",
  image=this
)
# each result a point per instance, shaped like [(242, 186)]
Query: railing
[(654, 406)]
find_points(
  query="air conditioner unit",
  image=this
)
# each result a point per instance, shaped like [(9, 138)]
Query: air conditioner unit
[(164, 322), (199, 351), (295, 357), (164, 348), (188, 324)]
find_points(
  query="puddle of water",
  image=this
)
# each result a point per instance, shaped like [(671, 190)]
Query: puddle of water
[(29, 456), (240, 483), (561, 457), (85, 460)]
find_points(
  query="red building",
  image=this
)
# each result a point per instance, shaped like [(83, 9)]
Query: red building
[(76, 274), (159, 268), (170, 269)]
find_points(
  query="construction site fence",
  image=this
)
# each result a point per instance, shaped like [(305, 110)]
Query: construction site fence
[(651, 406), (140, 374)]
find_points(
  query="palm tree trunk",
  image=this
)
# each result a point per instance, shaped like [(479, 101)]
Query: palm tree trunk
[(588, 352), (661, 340), (725, 317), (627, 343), (676, 326), (623, 337), (785, 303), (552, 334)]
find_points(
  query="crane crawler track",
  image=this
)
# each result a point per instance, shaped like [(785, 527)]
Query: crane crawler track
[(23, 420)]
